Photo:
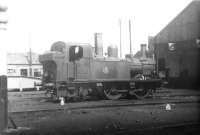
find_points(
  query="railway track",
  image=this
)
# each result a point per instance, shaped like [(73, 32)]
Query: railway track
[(109, 104), (40, 103), (159, 93)]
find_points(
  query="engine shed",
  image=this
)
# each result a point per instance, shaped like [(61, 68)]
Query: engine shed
[(177, 48)]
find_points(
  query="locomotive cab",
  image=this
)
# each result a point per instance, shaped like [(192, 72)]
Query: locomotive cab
[(49, 75)]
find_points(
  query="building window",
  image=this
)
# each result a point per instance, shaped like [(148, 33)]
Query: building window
[(24, 72), (11, 71), (37, 73)]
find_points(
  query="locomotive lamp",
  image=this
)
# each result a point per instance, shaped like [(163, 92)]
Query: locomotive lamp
[(198, 42), (171, 46)]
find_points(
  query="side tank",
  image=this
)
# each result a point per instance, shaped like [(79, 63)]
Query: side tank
[(109, 69)]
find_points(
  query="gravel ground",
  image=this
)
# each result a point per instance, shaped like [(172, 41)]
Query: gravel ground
[(108, 120), (80, 118)]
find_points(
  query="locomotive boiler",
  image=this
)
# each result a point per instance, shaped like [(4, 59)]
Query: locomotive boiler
[(74, 70)]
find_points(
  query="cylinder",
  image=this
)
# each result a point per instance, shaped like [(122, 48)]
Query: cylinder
[(112, 51)]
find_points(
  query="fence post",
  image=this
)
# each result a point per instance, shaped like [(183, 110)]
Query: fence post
[(3, 104)]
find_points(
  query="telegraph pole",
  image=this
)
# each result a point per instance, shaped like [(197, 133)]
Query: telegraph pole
[(3, 9), (120, 38), (30, 56), (130, 37), (3, 84)]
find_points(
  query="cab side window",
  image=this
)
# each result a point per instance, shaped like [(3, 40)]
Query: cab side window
[(75, 53)]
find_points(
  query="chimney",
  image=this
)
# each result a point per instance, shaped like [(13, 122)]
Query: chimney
[(98, 44), (143, 50)]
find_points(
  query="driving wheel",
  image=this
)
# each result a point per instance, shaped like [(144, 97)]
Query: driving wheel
[(112, 93)]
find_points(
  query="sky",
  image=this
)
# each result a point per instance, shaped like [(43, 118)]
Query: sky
[(40, 23)]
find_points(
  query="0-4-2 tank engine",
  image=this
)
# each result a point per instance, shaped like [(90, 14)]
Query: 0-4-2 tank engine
[(73, 70)]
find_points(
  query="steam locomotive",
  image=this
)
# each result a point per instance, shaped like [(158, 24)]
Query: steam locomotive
[(74, 70)]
